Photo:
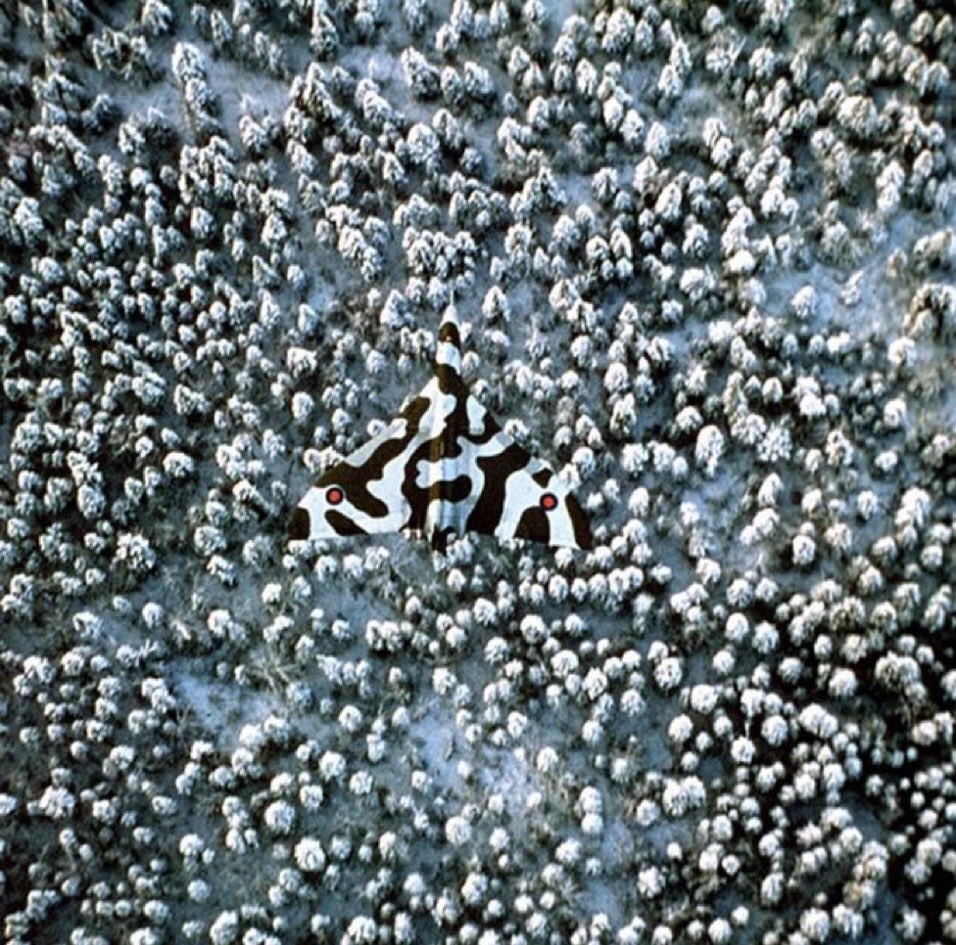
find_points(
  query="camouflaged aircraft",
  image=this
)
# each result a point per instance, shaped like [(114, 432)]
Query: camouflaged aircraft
[(442, 466)]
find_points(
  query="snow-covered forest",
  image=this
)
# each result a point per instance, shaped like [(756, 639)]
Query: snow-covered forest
[(703, 261)]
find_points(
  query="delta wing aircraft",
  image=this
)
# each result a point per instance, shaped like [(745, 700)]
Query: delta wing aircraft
[(442, 467)]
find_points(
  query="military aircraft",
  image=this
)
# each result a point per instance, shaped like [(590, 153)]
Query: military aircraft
[(442, 467)]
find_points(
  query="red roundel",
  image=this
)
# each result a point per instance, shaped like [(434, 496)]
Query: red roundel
[(549, 501), (334, 495)]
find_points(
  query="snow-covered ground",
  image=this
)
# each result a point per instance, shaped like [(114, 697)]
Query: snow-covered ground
[(703, 258)]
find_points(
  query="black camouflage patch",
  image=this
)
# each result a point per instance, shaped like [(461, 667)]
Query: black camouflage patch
[(533, 525), (342, 524)]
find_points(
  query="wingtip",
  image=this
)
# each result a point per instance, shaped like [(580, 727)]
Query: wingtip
[(299, 524), (584, 537), (580, 524)]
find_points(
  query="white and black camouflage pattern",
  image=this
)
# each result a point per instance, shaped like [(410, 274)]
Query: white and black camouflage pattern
[(443, 466)]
